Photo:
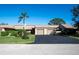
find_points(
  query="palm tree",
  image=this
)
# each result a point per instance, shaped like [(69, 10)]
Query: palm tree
[(23, 17)]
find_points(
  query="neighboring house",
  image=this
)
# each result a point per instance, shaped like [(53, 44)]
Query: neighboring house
[(67, 29)]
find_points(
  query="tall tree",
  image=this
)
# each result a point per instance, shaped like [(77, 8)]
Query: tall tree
[(23, 17), (75, 13), (56, 21)]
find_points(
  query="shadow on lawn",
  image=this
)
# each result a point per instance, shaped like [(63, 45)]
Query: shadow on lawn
[(51, 39)]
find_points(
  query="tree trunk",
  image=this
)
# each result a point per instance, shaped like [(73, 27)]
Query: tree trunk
[(24, 24)]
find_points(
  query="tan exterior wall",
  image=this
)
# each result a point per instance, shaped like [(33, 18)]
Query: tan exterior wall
[(45, 31), (39, 30), (18, 26)]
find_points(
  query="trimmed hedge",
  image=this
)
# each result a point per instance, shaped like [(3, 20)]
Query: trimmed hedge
[(4, 33), (11, 32), (17, 33)]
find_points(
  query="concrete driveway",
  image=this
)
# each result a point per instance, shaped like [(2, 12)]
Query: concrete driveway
[(50, 39), (39, 49)]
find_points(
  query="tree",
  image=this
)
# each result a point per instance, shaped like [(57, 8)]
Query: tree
[(75, 13), (3, 23), (23, 17), (56, 21)]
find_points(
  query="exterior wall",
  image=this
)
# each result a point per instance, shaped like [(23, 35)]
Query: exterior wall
[(45, 31), (29, 27), (18, 26), (39, 29), (36, 32)]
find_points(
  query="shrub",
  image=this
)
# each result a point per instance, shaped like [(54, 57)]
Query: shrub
[(77, 35), (19, 33), (23, 34), (13, 33), (4, 33)]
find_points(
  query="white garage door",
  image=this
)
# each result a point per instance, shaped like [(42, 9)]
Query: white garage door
[(40, 31), (50, 31)]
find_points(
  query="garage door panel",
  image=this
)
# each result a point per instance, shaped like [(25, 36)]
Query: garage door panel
[(40, 32), (49, 31)]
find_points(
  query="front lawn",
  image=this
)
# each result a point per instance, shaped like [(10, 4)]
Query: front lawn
[(16, 40), (75, 37)]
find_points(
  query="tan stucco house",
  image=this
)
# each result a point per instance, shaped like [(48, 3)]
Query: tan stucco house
[(35, 29)]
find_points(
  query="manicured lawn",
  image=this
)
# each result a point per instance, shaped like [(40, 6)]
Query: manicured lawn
[(74, 37), (16, 40)]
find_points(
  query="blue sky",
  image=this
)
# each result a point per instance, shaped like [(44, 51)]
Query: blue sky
[(38, 13)]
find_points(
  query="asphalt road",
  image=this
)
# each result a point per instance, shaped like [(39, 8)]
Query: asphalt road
[(39, 49), (49, 39)]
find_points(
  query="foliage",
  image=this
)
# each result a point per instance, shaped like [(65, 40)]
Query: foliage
[(10, 33), (56, 21), (76, 24), (76, 35), (68, 32), (75, 13), (13, 32), (3, 23), (20, 33), (4, 33), (23, 16), (23, 34), (16, 40)]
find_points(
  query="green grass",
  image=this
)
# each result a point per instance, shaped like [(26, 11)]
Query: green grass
[(16, 40), (75, 37)]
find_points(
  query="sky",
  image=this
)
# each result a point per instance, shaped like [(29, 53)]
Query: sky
[(39, 14)]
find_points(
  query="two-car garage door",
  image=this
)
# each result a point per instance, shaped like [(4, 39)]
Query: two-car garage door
[(40, 31), (44, 31)]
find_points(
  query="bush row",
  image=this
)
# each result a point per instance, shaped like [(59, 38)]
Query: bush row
[(9, 33), (17, 33)]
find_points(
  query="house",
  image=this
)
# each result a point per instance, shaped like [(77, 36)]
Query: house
[(67, 29), (40, 29), (34, 29)]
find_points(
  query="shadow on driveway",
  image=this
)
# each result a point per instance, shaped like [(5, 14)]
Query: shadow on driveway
[(50, 39)]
